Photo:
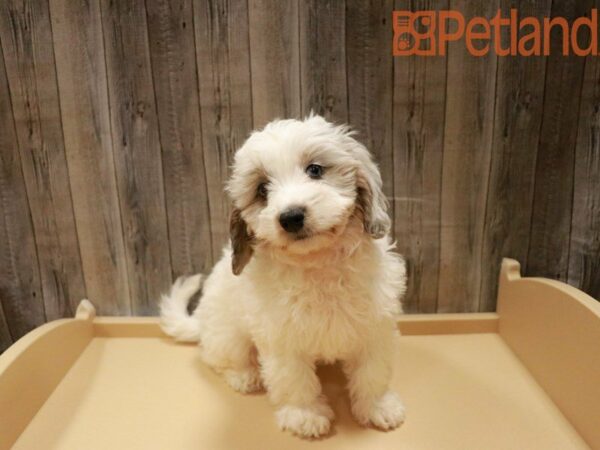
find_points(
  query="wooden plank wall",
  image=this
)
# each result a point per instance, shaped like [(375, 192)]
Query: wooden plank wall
[(119, 120)]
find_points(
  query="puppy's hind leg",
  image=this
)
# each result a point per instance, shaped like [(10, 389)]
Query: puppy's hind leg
[(232, 354), (244, 375)]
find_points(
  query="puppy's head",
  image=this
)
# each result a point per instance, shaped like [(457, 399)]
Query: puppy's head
[(296, 185)]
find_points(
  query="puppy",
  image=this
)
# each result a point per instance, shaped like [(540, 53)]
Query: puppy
[(309, 277)]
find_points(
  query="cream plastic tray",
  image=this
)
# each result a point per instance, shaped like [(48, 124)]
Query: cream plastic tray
[(526, 377)]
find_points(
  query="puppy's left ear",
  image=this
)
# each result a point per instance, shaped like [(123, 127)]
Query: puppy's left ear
[(371, 201), (241, 241)]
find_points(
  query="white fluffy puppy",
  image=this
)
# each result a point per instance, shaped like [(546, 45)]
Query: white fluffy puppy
[(309, 277)]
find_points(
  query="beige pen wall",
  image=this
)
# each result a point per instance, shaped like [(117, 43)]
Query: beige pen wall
[(119, 118)]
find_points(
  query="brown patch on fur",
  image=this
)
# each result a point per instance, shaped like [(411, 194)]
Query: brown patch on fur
[(359, 208), (371, 206), (241, 242), (364, 204)]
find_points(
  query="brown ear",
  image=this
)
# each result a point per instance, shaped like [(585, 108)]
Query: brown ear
[(370, 201), (240, 242)]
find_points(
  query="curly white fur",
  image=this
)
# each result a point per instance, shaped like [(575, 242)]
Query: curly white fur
[(332, 293)]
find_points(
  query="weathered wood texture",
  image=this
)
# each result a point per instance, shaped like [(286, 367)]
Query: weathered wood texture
[(172, 48), (553, 194), (275, 61), (370, 79), (20, 287), (584, 251), (517, 120), (120, 120), (82, 84), (323, 70), (419, 102), (222, 55), (468, 129), (26, 35), (138, 165)]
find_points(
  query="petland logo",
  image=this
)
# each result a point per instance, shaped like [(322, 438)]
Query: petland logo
[(426, 33)]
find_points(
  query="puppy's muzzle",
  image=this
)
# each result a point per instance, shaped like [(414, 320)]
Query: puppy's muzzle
[(292, 220)]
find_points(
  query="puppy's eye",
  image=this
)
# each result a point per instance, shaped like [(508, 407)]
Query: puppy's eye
[(314, 171), (262, 191)]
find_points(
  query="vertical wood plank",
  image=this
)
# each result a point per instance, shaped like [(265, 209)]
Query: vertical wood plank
[(518, 115), (369, 65), (27, 41), (323, 59), (548, 254), (467, 150), (136, 144), (418, 139), (5, 337), (171, 35), (275, 60), (79, 50), (20, 286), (584, 258), (224, 86)]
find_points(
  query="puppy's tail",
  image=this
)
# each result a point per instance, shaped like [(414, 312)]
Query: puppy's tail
[(174, 317)]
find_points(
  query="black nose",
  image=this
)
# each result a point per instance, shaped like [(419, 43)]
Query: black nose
[(292, 220)]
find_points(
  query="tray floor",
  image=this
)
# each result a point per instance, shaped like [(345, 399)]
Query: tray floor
[(461, 392)]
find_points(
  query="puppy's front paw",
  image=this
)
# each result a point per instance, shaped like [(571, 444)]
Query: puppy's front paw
[(385, 413), (305, 421)]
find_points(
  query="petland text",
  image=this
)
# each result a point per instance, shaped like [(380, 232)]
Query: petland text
[(426, 33)]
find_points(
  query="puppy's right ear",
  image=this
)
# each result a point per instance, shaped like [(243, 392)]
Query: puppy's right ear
[(241, 241)]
